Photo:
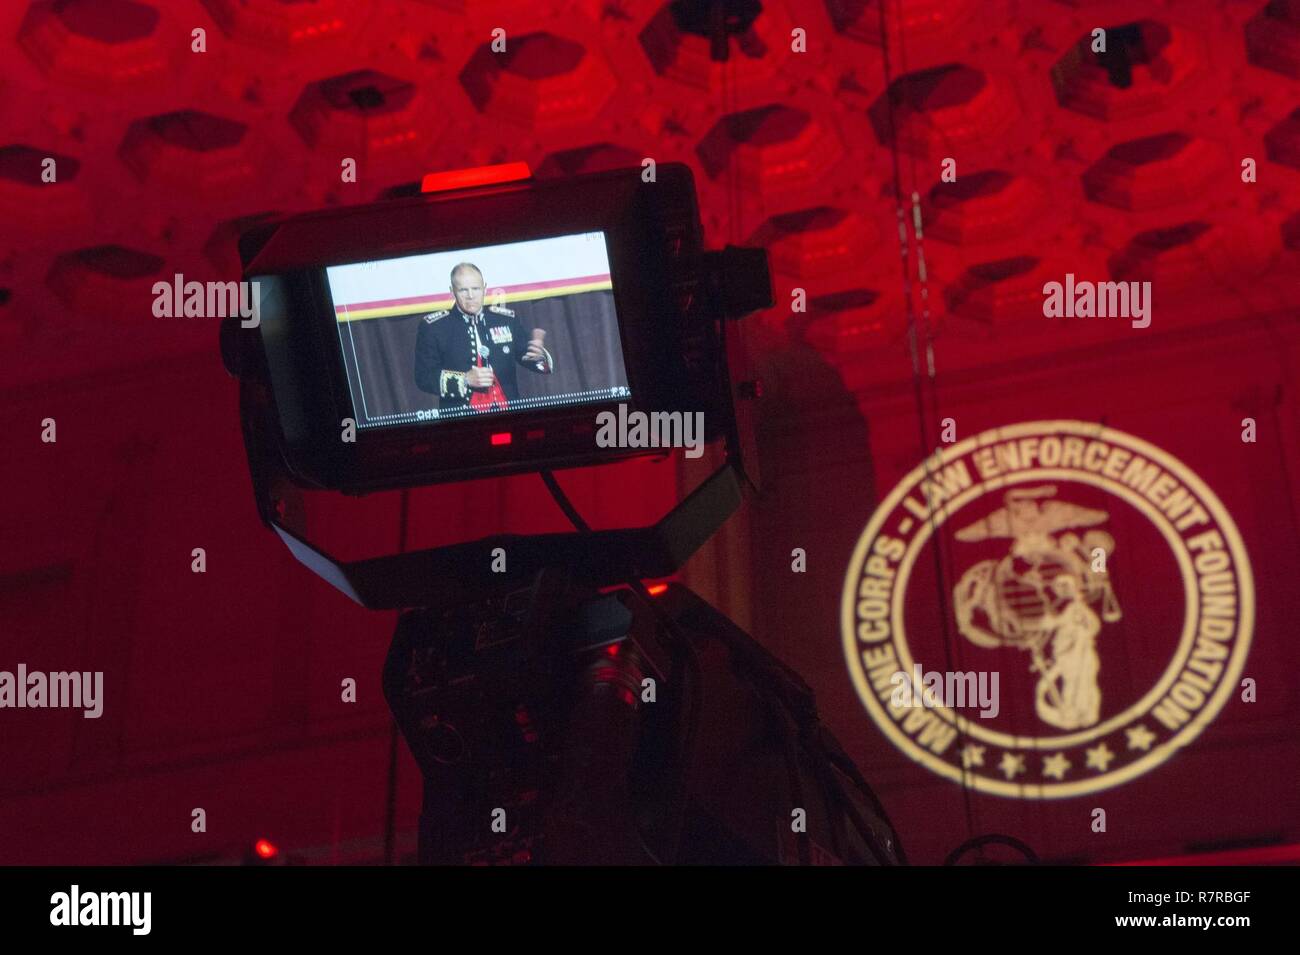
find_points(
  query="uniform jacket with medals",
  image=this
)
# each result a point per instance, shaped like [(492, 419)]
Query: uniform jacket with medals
[(448, 345)]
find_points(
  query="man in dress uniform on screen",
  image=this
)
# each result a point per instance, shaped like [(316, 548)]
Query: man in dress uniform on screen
[(467, 355)]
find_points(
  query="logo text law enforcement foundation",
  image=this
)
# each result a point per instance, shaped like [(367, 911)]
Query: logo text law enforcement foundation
[(1027, 513)]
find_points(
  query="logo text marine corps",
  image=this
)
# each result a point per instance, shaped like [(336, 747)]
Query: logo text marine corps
[(1046, 595)]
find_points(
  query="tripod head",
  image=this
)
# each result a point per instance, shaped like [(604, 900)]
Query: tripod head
[(556, 725)]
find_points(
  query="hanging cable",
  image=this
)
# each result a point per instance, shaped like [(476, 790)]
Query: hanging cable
[(390, 811), (913, 335)]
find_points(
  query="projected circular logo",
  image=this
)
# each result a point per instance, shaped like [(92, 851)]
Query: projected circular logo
[(1047, 609)]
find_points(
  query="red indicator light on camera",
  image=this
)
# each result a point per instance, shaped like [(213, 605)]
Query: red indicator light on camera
[(502, 437), (477, 176)]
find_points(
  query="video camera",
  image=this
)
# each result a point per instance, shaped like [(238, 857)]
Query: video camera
[(531, 691)]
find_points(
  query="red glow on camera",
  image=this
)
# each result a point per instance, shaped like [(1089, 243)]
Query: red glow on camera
[(477, 176)]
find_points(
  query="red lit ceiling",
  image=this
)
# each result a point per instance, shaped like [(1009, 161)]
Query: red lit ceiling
[(1128, 169)]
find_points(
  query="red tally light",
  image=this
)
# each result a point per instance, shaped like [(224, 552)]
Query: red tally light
[(656, 589), (478, 176), (612, 650), (502, 437), (265, 849)]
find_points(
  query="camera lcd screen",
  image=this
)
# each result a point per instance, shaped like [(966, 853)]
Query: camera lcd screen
[(522, 326)]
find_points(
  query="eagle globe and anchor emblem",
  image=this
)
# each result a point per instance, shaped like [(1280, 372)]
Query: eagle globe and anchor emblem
[(1051, 596), (1040, 599)]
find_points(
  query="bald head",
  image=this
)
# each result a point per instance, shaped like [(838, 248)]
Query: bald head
[(467, 287), (465, 267)]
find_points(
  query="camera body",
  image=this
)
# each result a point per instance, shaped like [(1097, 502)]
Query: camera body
[(525, 695), (561, 711), (334, 333)]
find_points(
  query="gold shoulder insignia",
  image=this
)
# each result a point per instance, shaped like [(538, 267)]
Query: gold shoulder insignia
[(502, 310), (434, 316)]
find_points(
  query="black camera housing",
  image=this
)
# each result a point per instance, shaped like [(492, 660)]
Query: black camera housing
[(669, 305)]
